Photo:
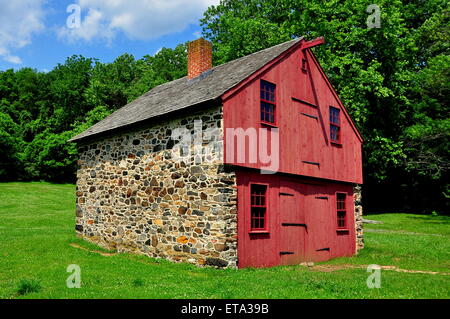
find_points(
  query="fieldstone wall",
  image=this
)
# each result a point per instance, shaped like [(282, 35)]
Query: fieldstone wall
[(358, 217), (133, 195)]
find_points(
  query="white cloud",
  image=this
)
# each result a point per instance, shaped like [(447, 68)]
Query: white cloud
[(137, 19), (19, 19), (157, 51), (13, 59)]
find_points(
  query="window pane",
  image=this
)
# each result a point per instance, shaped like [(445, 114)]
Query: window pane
[(258, 218), (334, 115), (340, 200), (340, 207), (267, 112), (268, 91), (341, 219), (334, 133)]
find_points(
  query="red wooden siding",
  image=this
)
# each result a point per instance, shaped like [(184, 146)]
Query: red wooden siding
[(303, 100), (302, 222)]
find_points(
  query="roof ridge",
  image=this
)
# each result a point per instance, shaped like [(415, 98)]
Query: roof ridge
[(181, 93), (259, 51), (235, 60)]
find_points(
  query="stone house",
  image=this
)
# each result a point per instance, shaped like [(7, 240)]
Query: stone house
[(252, 163)]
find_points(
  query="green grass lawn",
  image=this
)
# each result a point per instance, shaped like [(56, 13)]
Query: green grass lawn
[(37, 230)]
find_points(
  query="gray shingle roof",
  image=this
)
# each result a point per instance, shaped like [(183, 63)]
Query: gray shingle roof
[(183, 93)]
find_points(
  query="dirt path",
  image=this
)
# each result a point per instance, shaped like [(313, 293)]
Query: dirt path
[(323, 268), (330, 268), (370, 230), (93, 251)]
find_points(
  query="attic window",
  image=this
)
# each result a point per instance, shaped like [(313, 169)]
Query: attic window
[(335, 125), (268, 103), (304, 65)]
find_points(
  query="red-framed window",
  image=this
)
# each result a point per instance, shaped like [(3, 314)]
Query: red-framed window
[(335, 124), (258, 207), (341, 210), (268, 102)]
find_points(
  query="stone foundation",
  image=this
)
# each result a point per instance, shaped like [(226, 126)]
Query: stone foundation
[(358, 217), (134, 196)]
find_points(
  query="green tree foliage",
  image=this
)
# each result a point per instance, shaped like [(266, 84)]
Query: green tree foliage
[(165, 66), (40, 112), (10, 144), (68, 84), (110, 83)]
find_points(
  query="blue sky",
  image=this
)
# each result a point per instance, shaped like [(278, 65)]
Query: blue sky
[(35, 33)]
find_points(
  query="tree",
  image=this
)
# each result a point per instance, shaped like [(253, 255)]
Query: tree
[(110, 82), (10, 143), (165, 66), (67, 89)]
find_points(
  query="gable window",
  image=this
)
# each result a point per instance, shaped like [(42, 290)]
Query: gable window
[(258, 207), (341, 210), (304, 65), (335, 125), (268, 103)]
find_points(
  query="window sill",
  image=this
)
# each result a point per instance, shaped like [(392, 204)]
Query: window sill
[(252, 232), (342, 230), (337, 144), (269, 124)]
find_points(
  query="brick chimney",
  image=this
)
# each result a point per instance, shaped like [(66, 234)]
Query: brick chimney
[(199, 57)]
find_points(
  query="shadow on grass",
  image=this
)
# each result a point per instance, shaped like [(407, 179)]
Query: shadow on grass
[(26, 286)]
